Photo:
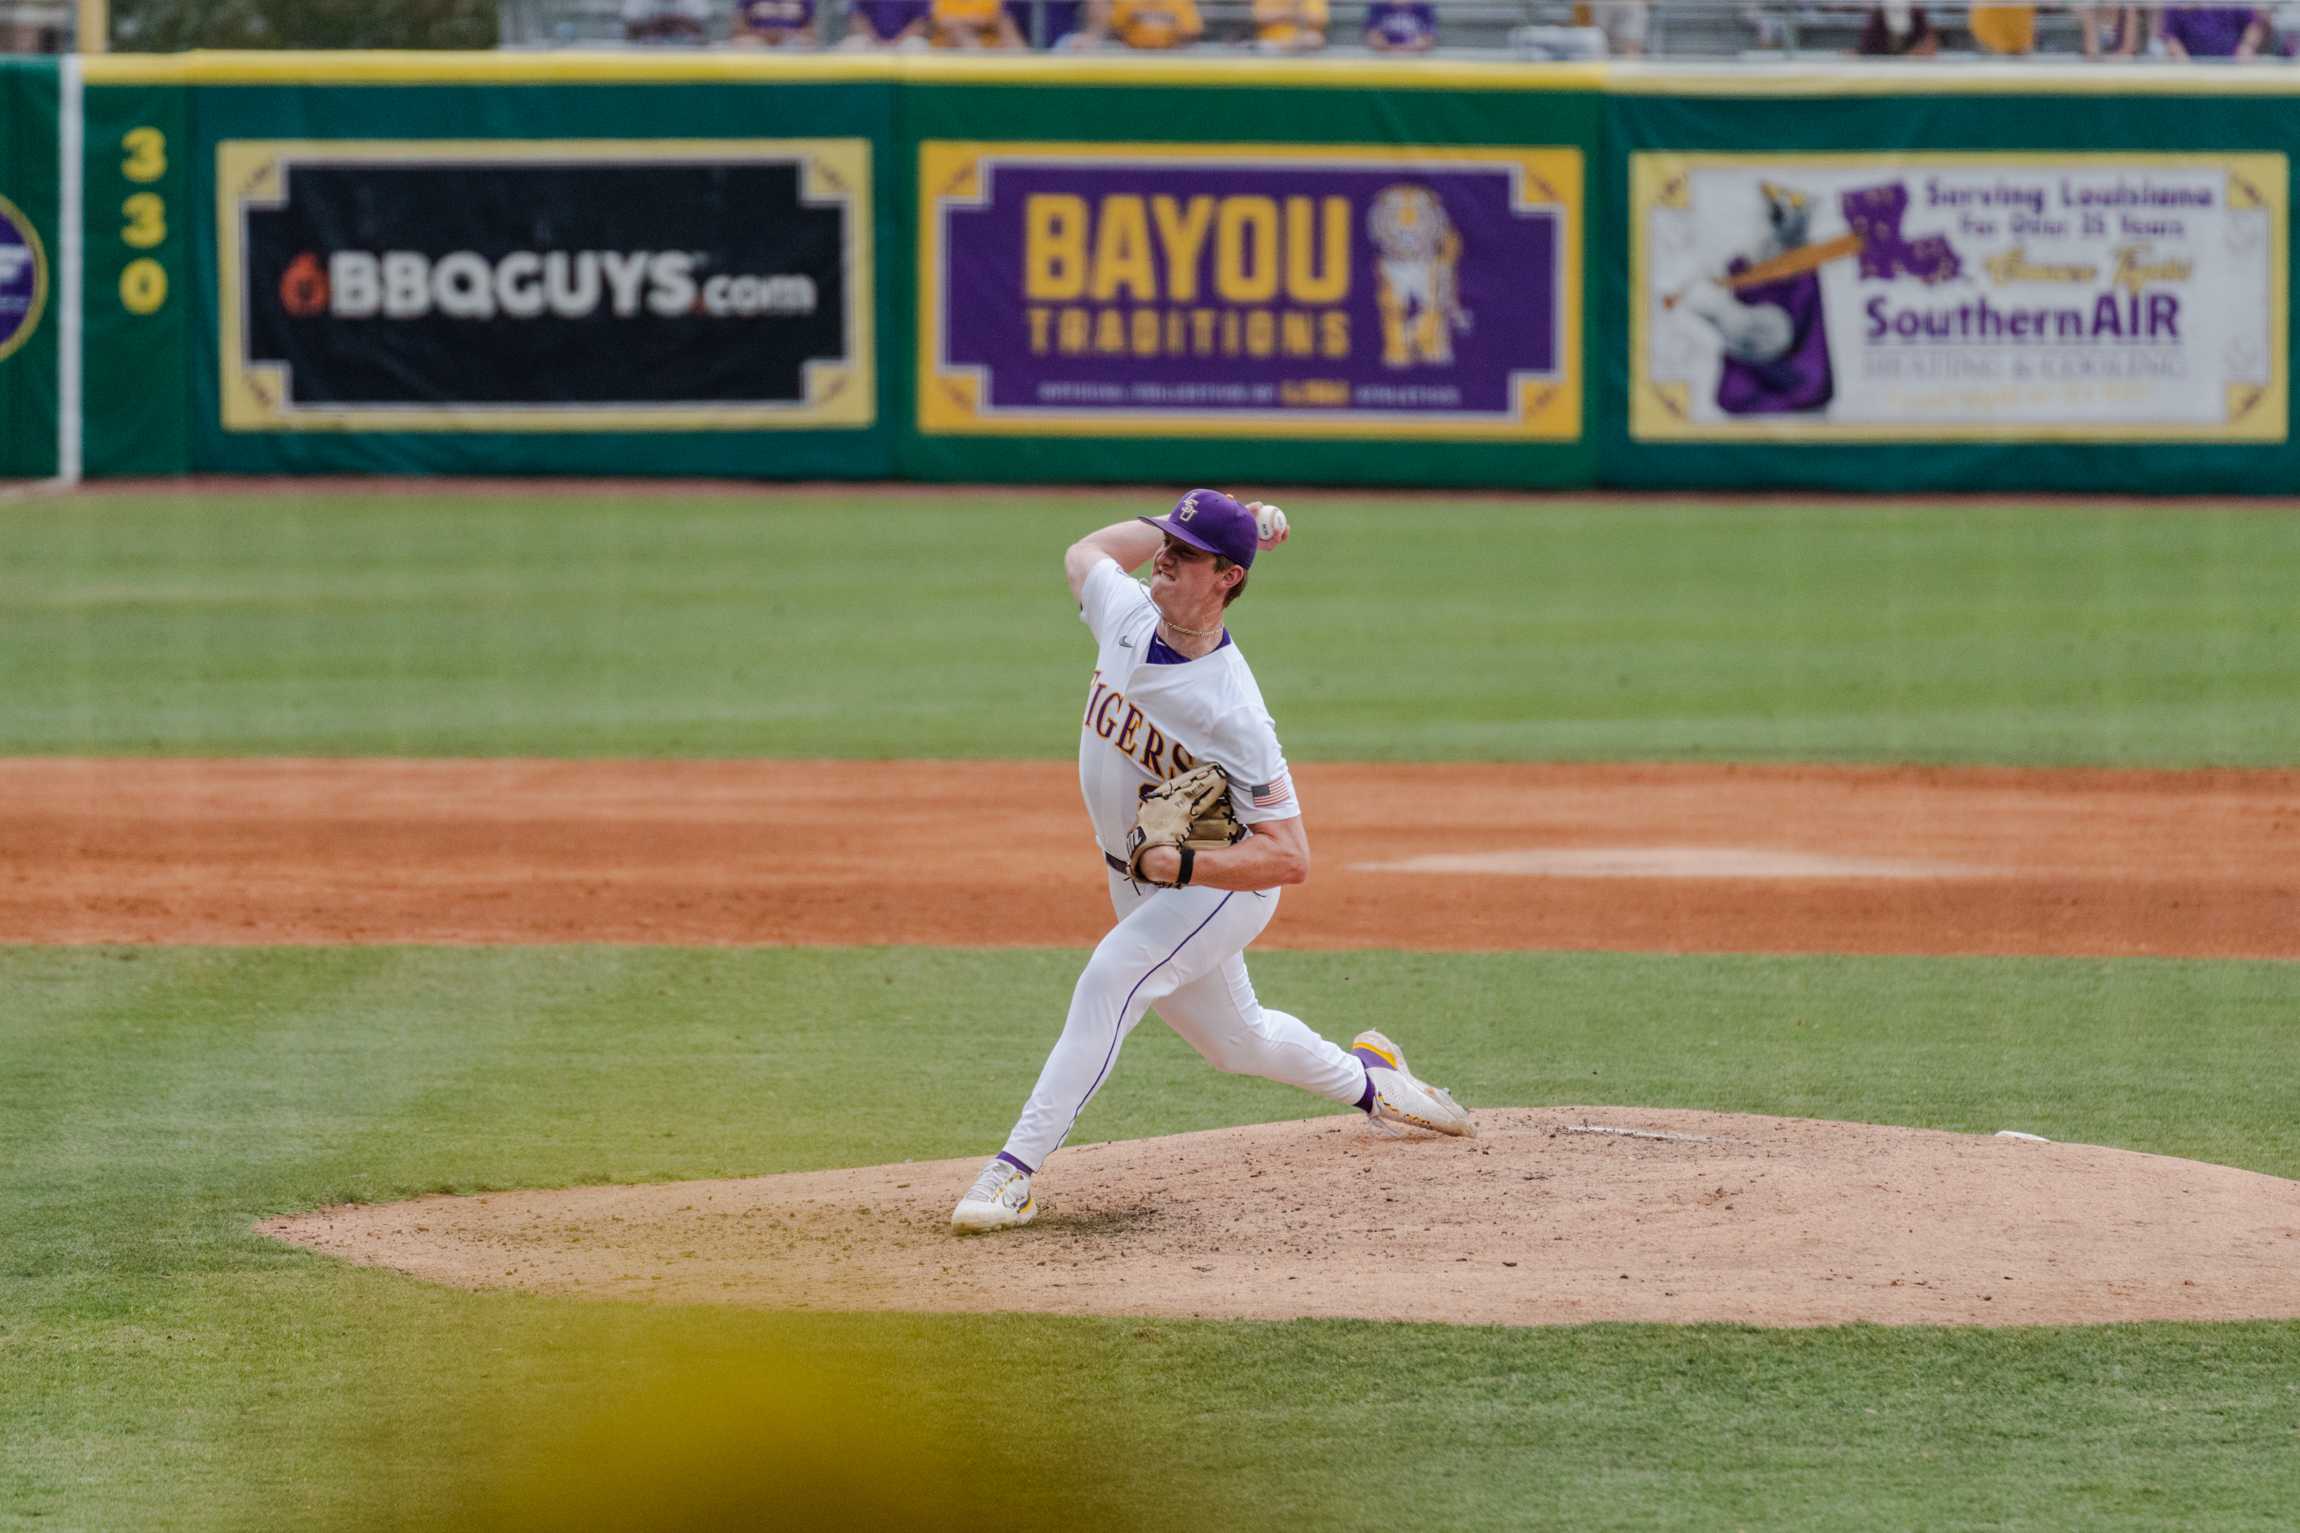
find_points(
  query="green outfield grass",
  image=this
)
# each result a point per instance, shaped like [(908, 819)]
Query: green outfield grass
[(162, 1366), (843, 625)]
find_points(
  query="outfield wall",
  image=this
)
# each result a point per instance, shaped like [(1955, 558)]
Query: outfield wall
[(1427, 272)]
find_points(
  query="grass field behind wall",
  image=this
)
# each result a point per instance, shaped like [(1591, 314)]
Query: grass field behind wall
[(163, 1367)]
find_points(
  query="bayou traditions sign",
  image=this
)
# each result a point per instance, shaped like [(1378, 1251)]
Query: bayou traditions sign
[(1273, 291)]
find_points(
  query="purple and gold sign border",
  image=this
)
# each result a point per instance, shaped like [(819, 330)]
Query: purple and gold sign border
[(955, 400)]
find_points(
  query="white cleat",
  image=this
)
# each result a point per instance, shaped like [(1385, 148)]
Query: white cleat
[(1400, 1097), (999, 1200)]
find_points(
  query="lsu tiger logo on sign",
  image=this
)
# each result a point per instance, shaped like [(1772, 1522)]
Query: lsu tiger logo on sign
[(1419, 269)]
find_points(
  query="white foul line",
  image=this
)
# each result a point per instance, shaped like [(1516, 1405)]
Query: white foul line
[(70, 134)]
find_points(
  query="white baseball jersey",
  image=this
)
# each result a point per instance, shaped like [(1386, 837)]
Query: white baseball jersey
[(1151, 714)]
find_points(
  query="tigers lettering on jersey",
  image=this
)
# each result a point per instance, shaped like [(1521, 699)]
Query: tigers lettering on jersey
[(1132, 734)]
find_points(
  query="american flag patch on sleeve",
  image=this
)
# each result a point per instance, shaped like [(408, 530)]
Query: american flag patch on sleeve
[(1270, 795)]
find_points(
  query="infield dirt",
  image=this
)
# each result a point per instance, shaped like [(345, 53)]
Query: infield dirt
[(1752, 1220), (1631, 858)]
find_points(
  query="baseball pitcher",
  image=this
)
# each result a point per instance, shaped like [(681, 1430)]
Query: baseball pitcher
[(1189, 796)]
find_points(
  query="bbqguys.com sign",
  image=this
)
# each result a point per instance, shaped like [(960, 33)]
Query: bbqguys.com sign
[(535, 284), (510, 285)]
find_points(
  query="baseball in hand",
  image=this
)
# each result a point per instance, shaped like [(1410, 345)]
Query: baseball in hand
[(1269, 525)]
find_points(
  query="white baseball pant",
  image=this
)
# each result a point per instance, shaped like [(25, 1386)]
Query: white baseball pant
[(1182, 951)]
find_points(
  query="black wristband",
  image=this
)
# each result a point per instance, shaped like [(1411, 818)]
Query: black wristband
[(1189, 859)]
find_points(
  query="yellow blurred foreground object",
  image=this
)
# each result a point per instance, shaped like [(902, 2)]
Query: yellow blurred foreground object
[(772, 1443)]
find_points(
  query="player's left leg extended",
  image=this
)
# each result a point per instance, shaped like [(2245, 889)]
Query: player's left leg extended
[(1219, 1016)]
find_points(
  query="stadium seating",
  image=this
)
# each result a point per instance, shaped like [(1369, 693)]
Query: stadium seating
[(1692, 29)]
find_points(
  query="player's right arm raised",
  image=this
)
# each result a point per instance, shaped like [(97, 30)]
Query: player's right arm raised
[(1130, 543), (1133, 543)]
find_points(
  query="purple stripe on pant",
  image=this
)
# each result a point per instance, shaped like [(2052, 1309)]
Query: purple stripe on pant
[(1118, 1032)]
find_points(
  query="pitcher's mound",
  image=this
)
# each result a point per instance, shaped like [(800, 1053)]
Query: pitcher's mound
[(1655, 1215)]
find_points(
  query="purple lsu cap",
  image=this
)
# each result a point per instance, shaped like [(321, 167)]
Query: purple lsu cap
[(1212, 522)]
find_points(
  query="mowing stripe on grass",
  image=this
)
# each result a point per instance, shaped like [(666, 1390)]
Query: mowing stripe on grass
[(801, 623)]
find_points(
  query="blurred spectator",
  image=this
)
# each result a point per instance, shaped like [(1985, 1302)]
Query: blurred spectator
[(774, 24), (35, 27), (2004, 29), (886, 23), (1401, 26), (972, 24), (1623, 23), (1149, 24), (1290, 26), (1064, 21), (666, 21), (2213, 32), (1898, 30), (2113, 31)]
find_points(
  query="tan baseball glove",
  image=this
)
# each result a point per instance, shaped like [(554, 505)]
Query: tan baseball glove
[(1190, 810)]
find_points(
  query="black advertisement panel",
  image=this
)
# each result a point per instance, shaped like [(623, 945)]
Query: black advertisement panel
[(523, 285)]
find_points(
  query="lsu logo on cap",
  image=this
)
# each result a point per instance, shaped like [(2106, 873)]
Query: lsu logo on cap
[(1188, 508)]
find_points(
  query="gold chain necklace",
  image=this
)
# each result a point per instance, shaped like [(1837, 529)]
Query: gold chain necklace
[(1187, 633)]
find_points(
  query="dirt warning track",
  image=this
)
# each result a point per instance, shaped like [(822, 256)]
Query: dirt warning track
[(1647, 858)]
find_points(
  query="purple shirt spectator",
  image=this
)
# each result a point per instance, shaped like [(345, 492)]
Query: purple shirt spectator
[(2209, 31), (763, 17), (1408, 24), (1062, 18), (888, 18)]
